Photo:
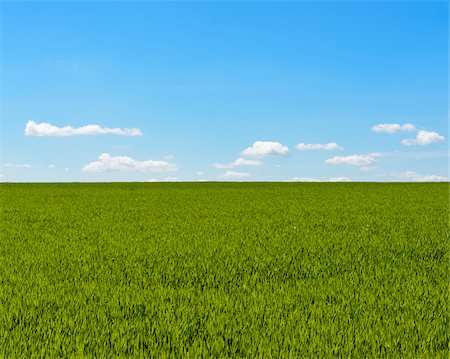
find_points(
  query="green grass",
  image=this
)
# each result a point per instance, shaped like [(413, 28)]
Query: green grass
[(240, 270)]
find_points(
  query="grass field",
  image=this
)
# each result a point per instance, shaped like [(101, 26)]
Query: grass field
[(224, 269)]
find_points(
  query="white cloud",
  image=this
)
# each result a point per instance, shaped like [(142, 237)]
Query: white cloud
[(393, 127), (331, 146), (46, 129), (152, 180), (266, 148), (13, 165), (424, 138), (356, 160), (199, 173), (416, 177), (243, 162), (239, 162), (234, 174), (339, 179), (108, 163), (51, 167)]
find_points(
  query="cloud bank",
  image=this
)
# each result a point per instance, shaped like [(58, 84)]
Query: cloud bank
[(46, 129), (108, 163)]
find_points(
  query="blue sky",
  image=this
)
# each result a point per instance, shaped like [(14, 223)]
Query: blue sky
[(224, 91)]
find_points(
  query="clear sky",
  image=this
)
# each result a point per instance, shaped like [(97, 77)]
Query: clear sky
[(246, 91)]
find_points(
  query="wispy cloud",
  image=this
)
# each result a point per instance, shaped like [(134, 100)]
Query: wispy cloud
[(416, 177), (266, 148), (355, 160), (304, 179), (170, 179), (311, 179), (368, 168), (424, 138), (46, 129), (331, 146), (108, 163), (167, 179), (17, 165), (234, 174), (393, 128), (222, 165), (239, 162)]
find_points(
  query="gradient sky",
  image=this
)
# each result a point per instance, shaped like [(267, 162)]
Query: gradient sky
[(224, 91)]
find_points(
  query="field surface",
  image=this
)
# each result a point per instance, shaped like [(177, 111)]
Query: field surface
[(224, 270)]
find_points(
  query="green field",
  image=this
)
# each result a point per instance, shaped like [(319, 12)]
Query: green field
[(224, 269)]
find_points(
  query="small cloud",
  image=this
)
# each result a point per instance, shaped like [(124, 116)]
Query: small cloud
[(309, 179), (355, 160), (46, 129), (170, 179), (234, 174), (424, 138), (66, 169), (331, 146), (51, 167), (169, 157), (107, 163), (304, 179), (239, 162), (265, 148), (416, 177), (244, 162), (199, 173), (393, 128), (339, 179)]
